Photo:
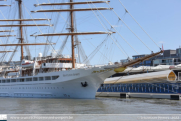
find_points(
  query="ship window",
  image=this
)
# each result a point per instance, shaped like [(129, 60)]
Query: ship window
[(41, 79), (7, 81), (48, 78), (13, 80), (22, 80), (28, 79), (0, 81), (35, 79), (54, 77)]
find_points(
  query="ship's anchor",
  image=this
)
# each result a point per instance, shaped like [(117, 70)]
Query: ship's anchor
[(84, 84)]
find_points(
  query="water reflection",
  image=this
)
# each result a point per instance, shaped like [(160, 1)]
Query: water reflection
[(89, 106)]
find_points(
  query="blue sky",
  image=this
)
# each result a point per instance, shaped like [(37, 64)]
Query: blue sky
[(160, 18)]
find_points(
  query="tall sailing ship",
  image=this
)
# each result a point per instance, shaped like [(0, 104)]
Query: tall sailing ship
[(54, 76)]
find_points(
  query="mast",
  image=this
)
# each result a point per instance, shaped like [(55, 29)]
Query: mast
[(72, 32), (20, 28), (20, 25), (72, 36)]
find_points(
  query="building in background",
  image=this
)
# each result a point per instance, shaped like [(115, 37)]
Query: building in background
[(169, 57), (144, 63)]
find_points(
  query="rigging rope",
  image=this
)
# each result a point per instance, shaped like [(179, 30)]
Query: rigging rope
[(95, 51), (118, 32), (53, 26), (78, 45), (54, 29), (96, 48), (108, 34), (115, 30), (138, 24), (25, 38), (39, 28), (27, 47), (8, 34), (120, 44), (59, 53), (126, 26)]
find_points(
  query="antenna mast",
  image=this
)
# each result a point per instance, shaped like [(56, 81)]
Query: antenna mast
[(72, 36)]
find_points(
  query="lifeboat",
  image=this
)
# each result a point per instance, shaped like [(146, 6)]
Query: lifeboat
[(27, 63)]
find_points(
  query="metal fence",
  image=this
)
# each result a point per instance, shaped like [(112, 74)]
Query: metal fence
[(142, 88)]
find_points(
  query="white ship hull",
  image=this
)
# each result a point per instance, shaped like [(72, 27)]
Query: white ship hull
[(67, 85)]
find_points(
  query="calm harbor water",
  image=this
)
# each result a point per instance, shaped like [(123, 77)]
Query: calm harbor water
[(89, 106)]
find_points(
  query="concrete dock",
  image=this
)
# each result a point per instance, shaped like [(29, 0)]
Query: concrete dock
[(139, 95)]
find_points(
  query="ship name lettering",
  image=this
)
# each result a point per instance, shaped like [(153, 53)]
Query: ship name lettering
[(102, 71), (75, 74)]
